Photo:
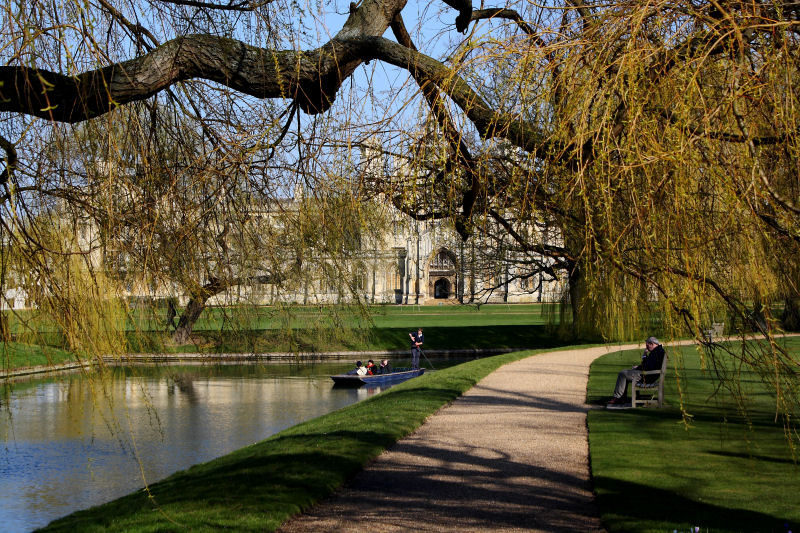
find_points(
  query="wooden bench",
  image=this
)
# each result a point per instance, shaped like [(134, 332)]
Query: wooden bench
[(716, 331), (655, 390)]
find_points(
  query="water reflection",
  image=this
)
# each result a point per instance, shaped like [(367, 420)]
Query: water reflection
[(71, 443)]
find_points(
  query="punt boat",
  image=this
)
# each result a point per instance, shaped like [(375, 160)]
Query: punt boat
[(397, 376)]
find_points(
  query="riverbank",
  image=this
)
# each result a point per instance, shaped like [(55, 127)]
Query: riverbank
[(275, 357), (34, 358), (450, 330), (315, 329)]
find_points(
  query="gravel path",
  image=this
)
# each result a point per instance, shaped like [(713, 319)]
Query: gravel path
[(511, 454)]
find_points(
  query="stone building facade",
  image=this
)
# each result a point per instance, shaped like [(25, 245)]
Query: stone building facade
[(414, 263), (422, 263)]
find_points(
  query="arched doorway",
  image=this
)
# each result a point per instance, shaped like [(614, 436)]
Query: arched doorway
[(442, 275), (441, 289)]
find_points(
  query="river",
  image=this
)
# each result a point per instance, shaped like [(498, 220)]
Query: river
[(75, 441)]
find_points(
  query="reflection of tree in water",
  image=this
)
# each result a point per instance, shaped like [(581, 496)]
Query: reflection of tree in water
[(185, 384)]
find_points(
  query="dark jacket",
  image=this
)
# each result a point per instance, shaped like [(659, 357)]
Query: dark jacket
[(652, 361), (417, 338)]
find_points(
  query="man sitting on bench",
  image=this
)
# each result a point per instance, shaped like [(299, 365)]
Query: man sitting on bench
[(652, 358)]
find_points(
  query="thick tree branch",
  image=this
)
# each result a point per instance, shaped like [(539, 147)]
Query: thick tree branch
[(310, 78), (464, 8), (414, 213), (458, 148), (487, 121), (257, 72), (781, 230), (10, 160)]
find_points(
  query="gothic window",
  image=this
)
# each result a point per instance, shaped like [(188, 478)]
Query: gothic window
[(393, 281), (442, 261), (359, 282)]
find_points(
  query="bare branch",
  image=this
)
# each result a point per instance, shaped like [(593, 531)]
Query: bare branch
[(458, 147), (504, 13), (137, 30)]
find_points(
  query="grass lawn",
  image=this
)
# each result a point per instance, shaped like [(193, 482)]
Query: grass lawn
[(651, 473), (406, 316), (446, 327), (260, 486), (19, 355), (450, 337)]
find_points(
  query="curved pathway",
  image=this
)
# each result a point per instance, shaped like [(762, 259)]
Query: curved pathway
[(511, 454)]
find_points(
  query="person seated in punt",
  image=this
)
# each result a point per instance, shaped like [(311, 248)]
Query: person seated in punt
[(385, 368), (372, 369), (359, 370)]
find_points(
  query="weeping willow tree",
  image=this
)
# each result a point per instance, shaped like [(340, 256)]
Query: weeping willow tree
[(658, 140), (645, 152), (686, 176), (72, 302), (620, 130), (178, 223), (669, 147), (180, 217)]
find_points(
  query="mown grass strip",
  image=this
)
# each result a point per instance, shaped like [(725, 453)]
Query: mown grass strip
[(446, 327), (263, 329), (20, 355), (436, 338), (258, 487), (410, 316), (651, 473)]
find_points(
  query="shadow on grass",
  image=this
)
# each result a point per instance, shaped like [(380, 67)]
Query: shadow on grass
[(470, 488), (494, 336), (629, 505), (752, 457)]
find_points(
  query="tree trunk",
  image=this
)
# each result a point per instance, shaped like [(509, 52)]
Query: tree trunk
[(790, 320), (188, 319), (758, 319), (584, 319), (172, 312), (576, 296), (197, 301)]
